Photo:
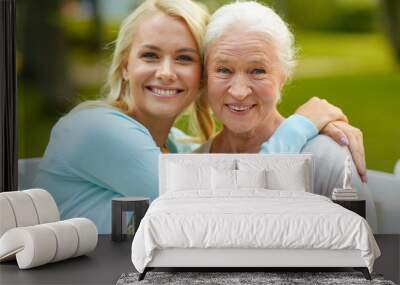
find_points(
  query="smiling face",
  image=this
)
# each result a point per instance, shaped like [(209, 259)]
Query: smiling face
[(243, 80), (163, 67)]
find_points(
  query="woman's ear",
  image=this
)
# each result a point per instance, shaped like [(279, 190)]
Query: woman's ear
[(125, 73), (282, 81)]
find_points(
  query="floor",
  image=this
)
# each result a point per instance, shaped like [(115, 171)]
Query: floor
[(389, 262), (111, 259), (102, 266)]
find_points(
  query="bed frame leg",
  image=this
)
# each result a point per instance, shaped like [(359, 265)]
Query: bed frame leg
[(364, 271), (143, 274)]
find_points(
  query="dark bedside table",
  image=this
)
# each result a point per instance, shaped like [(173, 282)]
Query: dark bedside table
[(137, 205), (357, 206)]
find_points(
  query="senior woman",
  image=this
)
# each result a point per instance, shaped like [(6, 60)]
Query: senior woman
[(109, 148), (249, 56)]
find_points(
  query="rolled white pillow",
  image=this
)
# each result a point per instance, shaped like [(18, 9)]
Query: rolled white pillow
[(7, 218), (67, 239), (45, 205), (40, 244), (26, 208), (23, 208), (87, 235), (32, 246)]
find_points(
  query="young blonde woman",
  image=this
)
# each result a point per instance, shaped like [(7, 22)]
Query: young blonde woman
[(110, 148)]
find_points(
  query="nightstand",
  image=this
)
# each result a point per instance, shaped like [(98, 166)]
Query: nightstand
[(357, 206), (120, 206)]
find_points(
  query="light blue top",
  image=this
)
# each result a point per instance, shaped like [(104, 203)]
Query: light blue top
[(291, 136), (97, 154)]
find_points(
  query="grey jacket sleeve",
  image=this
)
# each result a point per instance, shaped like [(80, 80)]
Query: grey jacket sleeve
[(329, 171)]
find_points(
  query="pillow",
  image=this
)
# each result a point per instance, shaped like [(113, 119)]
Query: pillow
[(183, 177), (251, 178), (293, 179), (45, 243), (223, 179)]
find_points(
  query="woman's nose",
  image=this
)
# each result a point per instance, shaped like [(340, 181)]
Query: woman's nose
[(240, 88), (165, 71)]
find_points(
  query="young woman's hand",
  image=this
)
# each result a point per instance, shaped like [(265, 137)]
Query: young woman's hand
[(320, 112), (345, 134)]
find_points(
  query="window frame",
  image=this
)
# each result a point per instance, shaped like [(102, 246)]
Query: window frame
[(8, 97)]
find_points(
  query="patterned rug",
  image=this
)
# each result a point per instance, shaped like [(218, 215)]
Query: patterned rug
[(243, 278)]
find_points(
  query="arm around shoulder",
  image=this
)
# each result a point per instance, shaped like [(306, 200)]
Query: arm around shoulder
[(290, 136)]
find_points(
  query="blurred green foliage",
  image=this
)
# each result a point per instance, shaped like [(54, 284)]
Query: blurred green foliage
[(331, 16), (322, 15), (370, 101)]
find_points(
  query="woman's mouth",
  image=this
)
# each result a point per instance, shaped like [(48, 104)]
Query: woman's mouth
[(239, 108), (164, 92)]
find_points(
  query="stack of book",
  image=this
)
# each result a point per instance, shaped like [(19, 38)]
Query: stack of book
[(344, 194)]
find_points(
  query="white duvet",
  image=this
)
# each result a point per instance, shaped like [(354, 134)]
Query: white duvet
[(250, 219)]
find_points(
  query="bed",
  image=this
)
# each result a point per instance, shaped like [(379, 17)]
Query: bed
[(246, 211)]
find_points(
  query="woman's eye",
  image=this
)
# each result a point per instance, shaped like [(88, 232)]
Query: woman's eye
[(223, 70), (258, 71), (184, 58), (149, 55)]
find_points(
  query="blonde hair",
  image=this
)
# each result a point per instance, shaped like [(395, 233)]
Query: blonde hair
[(118, 93)]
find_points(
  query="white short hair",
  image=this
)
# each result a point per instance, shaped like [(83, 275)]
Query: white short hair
[(254, 17)]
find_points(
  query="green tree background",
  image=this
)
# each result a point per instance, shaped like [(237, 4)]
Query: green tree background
[(348, 53)]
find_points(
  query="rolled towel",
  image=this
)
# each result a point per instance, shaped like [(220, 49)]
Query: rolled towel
[(40, 244)]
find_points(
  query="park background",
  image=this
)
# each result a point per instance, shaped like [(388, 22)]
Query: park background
[(348, 53)]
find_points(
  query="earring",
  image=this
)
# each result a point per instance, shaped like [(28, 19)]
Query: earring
[(125, 75)]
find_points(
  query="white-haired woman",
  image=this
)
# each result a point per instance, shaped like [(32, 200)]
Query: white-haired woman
[(249, 57), (110, 148)]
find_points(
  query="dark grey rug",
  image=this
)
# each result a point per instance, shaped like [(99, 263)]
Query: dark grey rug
[(230, 278)]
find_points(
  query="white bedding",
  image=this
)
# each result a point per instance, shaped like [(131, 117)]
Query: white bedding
[(251, 218)]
